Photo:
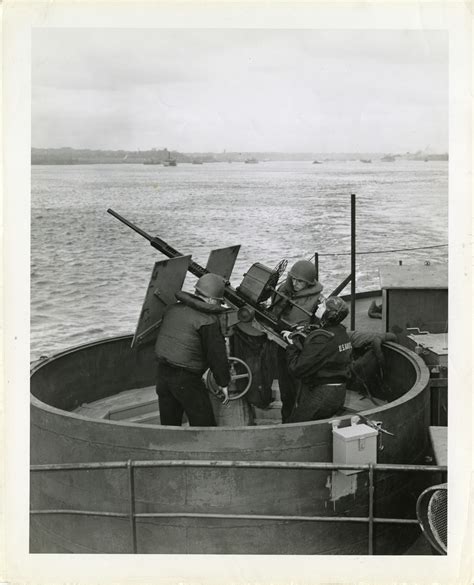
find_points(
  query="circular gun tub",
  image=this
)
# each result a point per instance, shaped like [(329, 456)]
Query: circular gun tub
[(221, 508)]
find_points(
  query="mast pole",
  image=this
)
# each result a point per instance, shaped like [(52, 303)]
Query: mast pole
[(353, 258)]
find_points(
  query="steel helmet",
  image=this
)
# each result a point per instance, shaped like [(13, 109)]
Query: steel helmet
[(336, 311), (211, 286), (304, 270)]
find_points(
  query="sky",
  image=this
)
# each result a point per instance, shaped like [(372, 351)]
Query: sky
[(212, 90)]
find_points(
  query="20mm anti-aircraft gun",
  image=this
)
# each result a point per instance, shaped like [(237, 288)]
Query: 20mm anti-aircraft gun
[(245, 301), (258, 284)]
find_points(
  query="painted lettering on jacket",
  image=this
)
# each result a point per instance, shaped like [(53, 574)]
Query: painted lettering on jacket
[(345, 346)]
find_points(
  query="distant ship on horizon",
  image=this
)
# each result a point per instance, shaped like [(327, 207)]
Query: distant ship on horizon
[(169, 162)]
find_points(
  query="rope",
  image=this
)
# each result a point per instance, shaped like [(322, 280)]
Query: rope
[(383, 251)]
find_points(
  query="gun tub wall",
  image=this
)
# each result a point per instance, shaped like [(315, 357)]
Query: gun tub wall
[(103, 368)]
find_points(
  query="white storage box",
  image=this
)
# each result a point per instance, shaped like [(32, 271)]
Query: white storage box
[(354, 444)]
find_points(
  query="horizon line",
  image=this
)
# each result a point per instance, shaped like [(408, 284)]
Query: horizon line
[(228, 152)]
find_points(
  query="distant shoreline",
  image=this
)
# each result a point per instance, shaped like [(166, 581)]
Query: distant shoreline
[(82, 163), (70, 156)]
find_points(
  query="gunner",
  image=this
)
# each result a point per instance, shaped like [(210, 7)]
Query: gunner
[(304, 290), (321, 362), (189, 341), (368, 363)]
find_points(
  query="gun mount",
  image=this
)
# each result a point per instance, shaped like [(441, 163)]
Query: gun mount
[(259, 282)]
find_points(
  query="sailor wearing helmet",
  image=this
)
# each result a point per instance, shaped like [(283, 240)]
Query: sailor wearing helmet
[(189, 341), (302, 287), (304, 290), (321, 362)]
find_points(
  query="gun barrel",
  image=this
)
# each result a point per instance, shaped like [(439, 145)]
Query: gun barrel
[(235, 297), (130, 225)]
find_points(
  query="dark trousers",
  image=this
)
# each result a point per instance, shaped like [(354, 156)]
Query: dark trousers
[(288, 386), (319, 402), (182, 391)]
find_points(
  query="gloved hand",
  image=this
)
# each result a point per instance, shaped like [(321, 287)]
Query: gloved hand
[(225, 392), (287, 337), (298, 340)]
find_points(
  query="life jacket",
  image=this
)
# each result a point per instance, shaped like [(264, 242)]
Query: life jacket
[(308, 299), (178, 341)]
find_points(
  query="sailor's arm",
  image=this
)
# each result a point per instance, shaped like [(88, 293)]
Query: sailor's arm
[(215, 352), (377, 345), (301, 361), (368, 340)]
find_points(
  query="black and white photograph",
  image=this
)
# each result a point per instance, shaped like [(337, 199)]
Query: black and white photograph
[(244, 237)]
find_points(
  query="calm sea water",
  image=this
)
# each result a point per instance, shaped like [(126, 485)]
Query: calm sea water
[(89, 272)]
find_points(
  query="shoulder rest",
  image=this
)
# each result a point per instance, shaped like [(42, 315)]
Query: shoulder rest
[(197, 303), (321, 333)]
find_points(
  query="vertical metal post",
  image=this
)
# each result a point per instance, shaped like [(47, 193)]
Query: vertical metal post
[(316, 264), (371, 508), (131, 495), (353, 258)]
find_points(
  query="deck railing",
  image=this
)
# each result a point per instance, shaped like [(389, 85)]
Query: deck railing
[(130, 466)]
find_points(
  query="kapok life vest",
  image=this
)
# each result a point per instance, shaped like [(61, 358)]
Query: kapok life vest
[(178, 341)]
